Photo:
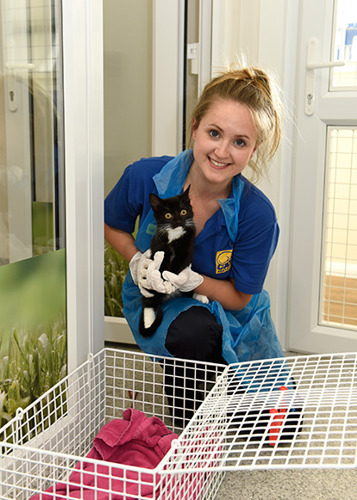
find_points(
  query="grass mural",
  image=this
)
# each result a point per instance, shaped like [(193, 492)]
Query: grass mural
[(33, 352), (115, 270)]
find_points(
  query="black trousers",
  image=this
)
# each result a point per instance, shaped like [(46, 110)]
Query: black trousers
[(193, 335)]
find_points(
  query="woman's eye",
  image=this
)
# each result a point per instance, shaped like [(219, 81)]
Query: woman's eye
[(239, 142), (214, 133), (168, 216), (183, 212)]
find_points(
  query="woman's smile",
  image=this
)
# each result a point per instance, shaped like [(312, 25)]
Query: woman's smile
[(218, 164)]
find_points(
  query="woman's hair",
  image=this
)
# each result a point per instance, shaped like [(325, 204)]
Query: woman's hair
[(257, 90)]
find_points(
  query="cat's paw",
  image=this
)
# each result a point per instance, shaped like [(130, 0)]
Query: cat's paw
[(201, 298)]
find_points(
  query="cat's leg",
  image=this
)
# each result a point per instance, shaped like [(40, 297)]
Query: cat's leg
[(201, 298), (151, 315)]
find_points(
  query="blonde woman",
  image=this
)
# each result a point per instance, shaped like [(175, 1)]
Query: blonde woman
[(236, 124)]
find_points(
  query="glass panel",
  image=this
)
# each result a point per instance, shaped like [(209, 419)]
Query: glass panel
[(32, 174), (127, 111), (339, 283), (33, 353), (344, 46), (191, 78)]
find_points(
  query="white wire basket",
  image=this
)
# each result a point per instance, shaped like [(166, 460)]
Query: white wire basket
[(286, 413)]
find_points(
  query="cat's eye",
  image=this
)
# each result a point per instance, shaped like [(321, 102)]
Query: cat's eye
[(183, 212), (168, 216)]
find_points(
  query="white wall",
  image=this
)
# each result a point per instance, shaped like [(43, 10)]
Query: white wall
[(127, 84), (258, 32)]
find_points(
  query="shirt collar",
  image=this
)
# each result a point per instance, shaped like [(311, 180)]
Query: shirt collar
[(230, 207), (170, 180)]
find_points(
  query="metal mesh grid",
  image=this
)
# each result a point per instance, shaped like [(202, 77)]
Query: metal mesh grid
[(43, 444), (142, 381), (248, 422), (339, 265), (271, 414)]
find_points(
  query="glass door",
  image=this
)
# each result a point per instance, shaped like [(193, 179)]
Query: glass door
[(323, 298), (33, 353), (338, 294)]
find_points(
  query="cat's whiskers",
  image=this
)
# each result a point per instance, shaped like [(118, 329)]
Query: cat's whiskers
[(189, 223), (162, 230)]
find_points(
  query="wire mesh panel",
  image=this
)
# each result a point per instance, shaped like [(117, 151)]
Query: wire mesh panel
[(339, 265), (270, 414), (168, 388), (46, 447), (285, 413)]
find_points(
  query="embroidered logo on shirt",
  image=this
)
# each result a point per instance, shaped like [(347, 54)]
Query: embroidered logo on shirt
[(223, 261), (151, 229)]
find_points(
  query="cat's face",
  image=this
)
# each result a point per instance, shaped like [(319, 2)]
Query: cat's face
[(173, 212)]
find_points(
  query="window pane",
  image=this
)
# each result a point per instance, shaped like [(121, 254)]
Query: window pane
[(344, 47), (127, 112), (32, 216), (339, 283), (33, 326)]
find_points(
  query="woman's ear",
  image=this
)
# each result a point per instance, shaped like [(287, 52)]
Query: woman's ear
[(254, 150)]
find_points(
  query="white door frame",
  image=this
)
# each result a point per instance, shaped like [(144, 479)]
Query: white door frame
[(84, 167), (167, 77), (305, 332)]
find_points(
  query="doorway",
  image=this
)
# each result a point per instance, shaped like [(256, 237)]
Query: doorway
[(323, 298)]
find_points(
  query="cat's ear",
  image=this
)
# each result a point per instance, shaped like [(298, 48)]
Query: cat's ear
[(154, 200), (187, 190)]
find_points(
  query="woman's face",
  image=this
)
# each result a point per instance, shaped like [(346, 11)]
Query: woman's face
[(225, 141)]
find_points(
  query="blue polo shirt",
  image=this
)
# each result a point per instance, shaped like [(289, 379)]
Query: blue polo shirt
[(237, 242)]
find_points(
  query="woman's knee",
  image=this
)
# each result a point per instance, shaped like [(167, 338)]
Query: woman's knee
[(195, 334)]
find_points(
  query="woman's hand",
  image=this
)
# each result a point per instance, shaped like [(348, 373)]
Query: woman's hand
[(186, 281), (146, 273)]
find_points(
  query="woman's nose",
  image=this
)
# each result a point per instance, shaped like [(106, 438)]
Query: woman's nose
[(222, 149)]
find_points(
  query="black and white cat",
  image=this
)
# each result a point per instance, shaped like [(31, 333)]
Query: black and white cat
[(175, 236)]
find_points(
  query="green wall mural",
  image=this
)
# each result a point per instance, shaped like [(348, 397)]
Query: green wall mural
[(115, 270), (33, 352)]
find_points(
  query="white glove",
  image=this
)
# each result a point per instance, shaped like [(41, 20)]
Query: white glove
[(146, 274), (134, 264), (185, 281)]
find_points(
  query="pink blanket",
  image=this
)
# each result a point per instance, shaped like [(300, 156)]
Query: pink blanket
[(134, 441)]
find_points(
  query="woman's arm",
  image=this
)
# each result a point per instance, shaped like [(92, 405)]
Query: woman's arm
[(224, 292), (120, 240)]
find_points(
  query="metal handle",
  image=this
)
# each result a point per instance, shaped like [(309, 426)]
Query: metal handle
[(311, 65), (330, 64)]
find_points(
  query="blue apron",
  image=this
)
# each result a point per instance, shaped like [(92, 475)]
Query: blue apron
[(248, 334)]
